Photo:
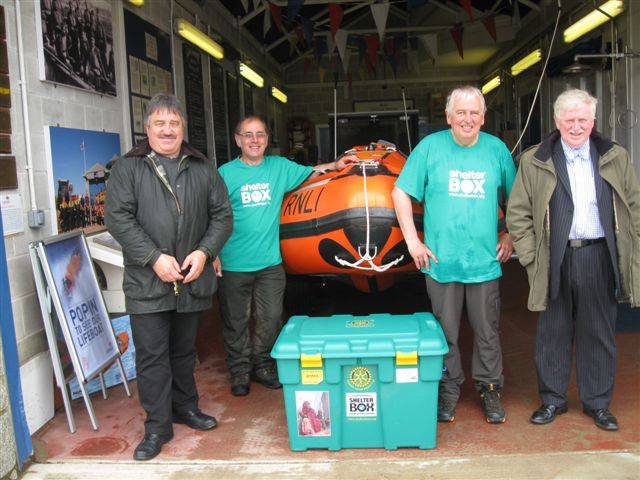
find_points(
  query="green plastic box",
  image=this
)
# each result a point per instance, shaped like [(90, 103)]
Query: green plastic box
[(361, 382)]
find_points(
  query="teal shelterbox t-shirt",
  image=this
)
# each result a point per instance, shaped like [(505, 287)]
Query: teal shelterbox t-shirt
[(460, 189), (256, 194)]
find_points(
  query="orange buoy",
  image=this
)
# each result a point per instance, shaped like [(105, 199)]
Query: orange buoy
[(343, 222)]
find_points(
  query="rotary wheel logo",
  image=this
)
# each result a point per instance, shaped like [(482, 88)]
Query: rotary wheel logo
[(360, 378)]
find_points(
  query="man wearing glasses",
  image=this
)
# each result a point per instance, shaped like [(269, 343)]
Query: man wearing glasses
[(253, 274)]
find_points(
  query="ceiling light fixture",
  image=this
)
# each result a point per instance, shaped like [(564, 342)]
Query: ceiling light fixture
[(593, 20), (199, 39), (251, 75), (137, 3), (526, 62), (491, 84), (279, 94)]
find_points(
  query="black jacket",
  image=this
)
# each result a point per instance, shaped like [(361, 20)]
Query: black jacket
[(148, 218)]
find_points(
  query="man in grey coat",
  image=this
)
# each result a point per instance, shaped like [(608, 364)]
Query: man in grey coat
[(168, 208), (574, 214)]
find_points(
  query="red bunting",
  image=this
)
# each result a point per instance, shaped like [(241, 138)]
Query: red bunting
[(276, 14), (456, 33), (372, 48), (335, 18), (490, 24), (467, 6)]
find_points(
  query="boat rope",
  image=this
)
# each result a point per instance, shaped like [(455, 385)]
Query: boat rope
[(366, 257)]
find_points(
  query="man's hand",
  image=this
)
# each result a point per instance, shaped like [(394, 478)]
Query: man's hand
[(346, 160), (217, 267), (421, 254), (167, 268), (195, 264), (504, 247)]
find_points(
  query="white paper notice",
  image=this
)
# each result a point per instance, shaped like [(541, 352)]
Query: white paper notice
[(12, 221), (406, 375)]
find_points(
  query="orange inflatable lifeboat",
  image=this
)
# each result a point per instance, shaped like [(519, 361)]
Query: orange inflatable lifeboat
[(343, 222)]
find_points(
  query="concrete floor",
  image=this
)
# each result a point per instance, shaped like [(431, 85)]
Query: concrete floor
[(252, 440)]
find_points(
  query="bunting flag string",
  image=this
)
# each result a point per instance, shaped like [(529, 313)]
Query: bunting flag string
[(380, 12), (245, 5), (490, 24), (341, 43), (430, 42), (456, 33), (335, 17)]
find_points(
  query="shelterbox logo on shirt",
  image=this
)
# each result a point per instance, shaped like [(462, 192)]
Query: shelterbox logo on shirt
[(255, 194), (466, 184)]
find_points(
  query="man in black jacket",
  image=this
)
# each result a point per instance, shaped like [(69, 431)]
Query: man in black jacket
[(168, 208)]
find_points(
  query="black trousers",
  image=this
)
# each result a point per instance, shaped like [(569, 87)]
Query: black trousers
[(584, 314), (240, 293), (165, 359)]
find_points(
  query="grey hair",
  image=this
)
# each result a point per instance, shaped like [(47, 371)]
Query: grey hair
[(464, 92), (164, 101), (574, 98), (249, 118)]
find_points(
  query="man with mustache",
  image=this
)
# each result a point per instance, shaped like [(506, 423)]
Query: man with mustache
[(461, 175), (168, 208), (574, 214)]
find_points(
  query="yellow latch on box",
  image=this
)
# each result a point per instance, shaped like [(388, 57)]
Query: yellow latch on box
[(311, 361), (407, 358)]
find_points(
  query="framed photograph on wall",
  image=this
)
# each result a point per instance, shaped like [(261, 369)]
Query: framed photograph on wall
[(75, 44), (78, 173)]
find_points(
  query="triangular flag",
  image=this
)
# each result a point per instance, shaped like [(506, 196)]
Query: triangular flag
[(490, 24), (413, 60), (293, 7), (341, 42), (362, 72), (515, 19), (456, 33), (293, 41), (335, 17), (466, 4), (380, 12), (276, 13), (245, 5), (266, 22), (307, 28), (307, 64), (321, 72), (430, 42), (372, 49), (331, 44)]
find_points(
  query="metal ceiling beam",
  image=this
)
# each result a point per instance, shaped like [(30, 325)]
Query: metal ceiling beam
[(530, 4), (283, 3)]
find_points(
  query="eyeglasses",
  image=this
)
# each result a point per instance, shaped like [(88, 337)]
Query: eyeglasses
[(250, 135)]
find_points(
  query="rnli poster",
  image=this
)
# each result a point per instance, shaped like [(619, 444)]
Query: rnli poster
[(85, 321)]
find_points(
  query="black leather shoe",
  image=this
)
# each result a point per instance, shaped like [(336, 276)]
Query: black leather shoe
[(446, 410), (196, 420), (150, 446), (603, 418), (266, 376), (240, 385), (547, 414)]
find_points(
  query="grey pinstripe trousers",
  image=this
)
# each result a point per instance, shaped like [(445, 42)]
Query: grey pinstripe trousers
[(584, 313)]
